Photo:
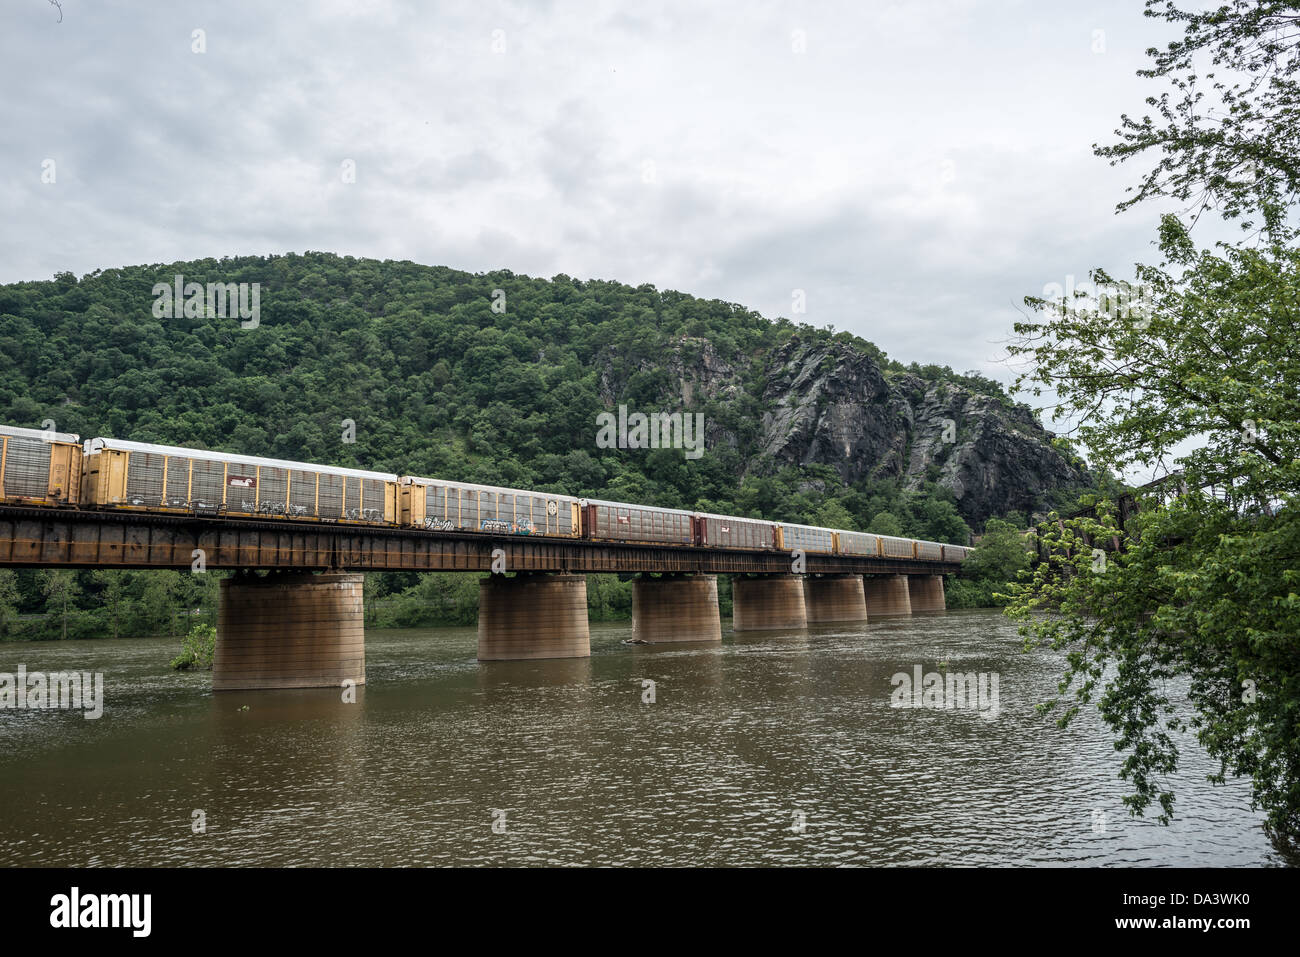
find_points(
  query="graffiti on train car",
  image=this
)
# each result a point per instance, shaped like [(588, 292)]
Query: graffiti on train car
[(506, 528), (439, 524)]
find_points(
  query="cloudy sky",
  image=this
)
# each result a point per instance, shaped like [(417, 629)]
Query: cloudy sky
[(916, 168)]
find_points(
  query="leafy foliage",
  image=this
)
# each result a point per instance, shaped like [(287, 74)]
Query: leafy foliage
[(1201, 591), (1229, 143), (198, 648), (997, 560)]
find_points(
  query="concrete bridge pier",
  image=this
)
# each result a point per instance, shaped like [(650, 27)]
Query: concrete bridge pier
[(533, 615), (676, 608), (926, 593), (768, 603), (832, 598), (289, 631), (888, 595)]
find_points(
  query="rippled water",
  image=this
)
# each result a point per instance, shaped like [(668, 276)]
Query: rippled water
[(767, 749)]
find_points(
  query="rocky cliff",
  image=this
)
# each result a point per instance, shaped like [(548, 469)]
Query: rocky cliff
[(828, 403)]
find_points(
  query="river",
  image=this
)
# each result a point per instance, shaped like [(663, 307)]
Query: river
[(768, 749)]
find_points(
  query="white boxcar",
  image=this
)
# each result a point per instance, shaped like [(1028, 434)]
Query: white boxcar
[(808, 538), (891, 547), (858, 543)]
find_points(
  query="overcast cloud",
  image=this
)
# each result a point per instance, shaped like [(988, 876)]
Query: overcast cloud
[(917, 170)]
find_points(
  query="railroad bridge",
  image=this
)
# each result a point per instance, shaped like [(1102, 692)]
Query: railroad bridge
[(302, 625)]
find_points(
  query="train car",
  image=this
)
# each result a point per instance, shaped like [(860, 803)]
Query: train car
[(955, 553), (137, 475), (929, 551), (621, 522), (38, 467), (891, 547), (857, 543), (807, 538), (727, 531), (463, 507)]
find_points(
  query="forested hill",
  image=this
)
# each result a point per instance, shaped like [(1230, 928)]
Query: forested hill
[(801, 425)]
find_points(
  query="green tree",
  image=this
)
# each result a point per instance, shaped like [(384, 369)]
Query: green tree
[(997, 560), (9, 598), (885, 523), (157, 602), (833, 514), (60, 588), (1230, 143), (1205, 582), (112, 595), (198, 648)]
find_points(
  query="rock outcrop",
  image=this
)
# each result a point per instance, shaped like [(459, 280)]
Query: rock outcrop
[(828, 403)]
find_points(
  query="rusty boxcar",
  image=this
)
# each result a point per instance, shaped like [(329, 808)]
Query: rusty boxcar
[(727, 531), (621, 522)]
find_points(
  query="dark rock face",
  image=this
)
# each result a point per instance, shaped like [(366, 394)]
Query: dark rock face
[(994, 457), (827, 403), (832, 406)]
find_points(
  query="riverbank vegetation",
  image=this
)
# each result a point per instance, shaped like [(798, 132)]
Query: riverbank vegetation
[(1002, 553), (198, 649)]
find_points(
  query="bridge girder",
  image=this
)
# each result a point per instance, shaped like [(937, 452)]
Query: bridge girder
[(44, 538)]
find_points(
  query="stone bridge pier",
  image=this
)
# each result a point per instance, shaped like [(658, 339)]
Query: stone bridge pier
[(768, 603), (295, 630), (926, 593), (676, 608), (533, 615), (834, 598), (888, 595)]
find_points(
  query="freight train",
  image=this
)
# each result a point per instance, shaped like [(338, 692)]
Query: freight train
[(58, 470)]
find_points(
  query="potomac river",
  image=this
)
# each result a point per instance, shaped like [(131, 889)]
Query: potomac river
[(767, 749)]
